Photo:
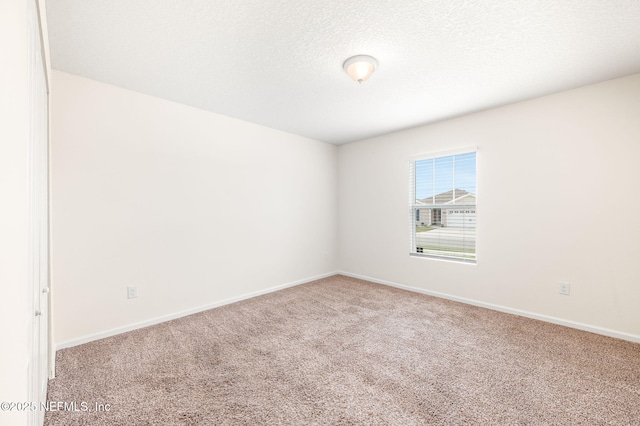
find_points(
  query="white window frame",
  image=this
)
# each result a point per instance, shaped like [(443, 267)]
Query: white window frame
[(413, 206)]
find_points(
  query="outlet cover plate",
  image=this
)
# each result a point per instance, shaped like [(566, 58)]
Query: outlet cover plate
[(564, 288), (132, 292)]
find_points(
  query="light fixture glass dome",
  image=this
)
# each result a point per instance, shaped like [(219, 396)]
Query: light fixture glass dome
[(360, 67)]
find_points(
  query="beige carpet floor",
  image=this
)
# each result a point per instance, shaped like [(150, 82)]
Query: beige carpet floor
[(345, 351)]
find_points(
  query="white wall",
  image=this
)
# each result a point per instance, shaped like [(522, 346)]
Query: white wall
[(192, 207), (196, 208), (14, 311), (557, 178)]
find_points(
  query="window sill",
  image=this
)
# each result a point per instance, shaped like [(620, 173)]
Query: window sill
[(444, 258)]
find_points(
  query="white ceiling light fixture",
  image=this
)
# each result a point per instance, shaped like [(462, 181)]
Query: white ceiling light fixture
[(360, 67)]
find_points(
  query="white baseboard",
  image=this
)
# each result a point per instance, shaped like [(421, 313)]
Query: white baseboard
[(572, 324), (157, 320), (169, 317)]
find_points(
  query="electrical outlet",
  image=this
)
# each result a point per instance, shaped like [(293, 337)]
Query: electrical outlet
[(132, 292), (564, 288)]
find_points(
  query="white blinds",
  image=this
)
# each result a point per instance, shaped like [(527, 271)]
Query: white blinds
[(443, 206)]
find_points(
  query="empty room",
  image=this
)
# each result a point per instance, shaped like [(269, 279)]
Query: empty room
[(319, 212)]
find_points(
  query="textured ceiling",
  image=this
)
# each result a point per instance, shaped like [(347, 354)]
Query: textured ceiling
[(279, 62)]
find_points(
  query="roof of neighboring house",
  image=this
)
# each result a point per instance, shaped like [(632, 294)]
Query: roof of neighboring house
[(448, 197)]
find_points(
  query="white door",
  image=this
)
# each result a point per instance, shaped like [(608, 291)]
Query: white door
[(38, 221)]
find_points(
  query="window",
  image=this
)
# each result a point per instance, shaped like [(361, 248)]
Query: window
[(443, 194)]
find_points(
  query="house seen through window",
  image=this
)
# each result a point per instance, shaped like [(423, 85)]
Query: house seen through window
[(443, 206)]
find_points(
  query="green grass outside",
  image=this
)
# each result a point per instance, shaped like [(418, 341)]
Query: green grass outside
[(424, 228), (452, 249)]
